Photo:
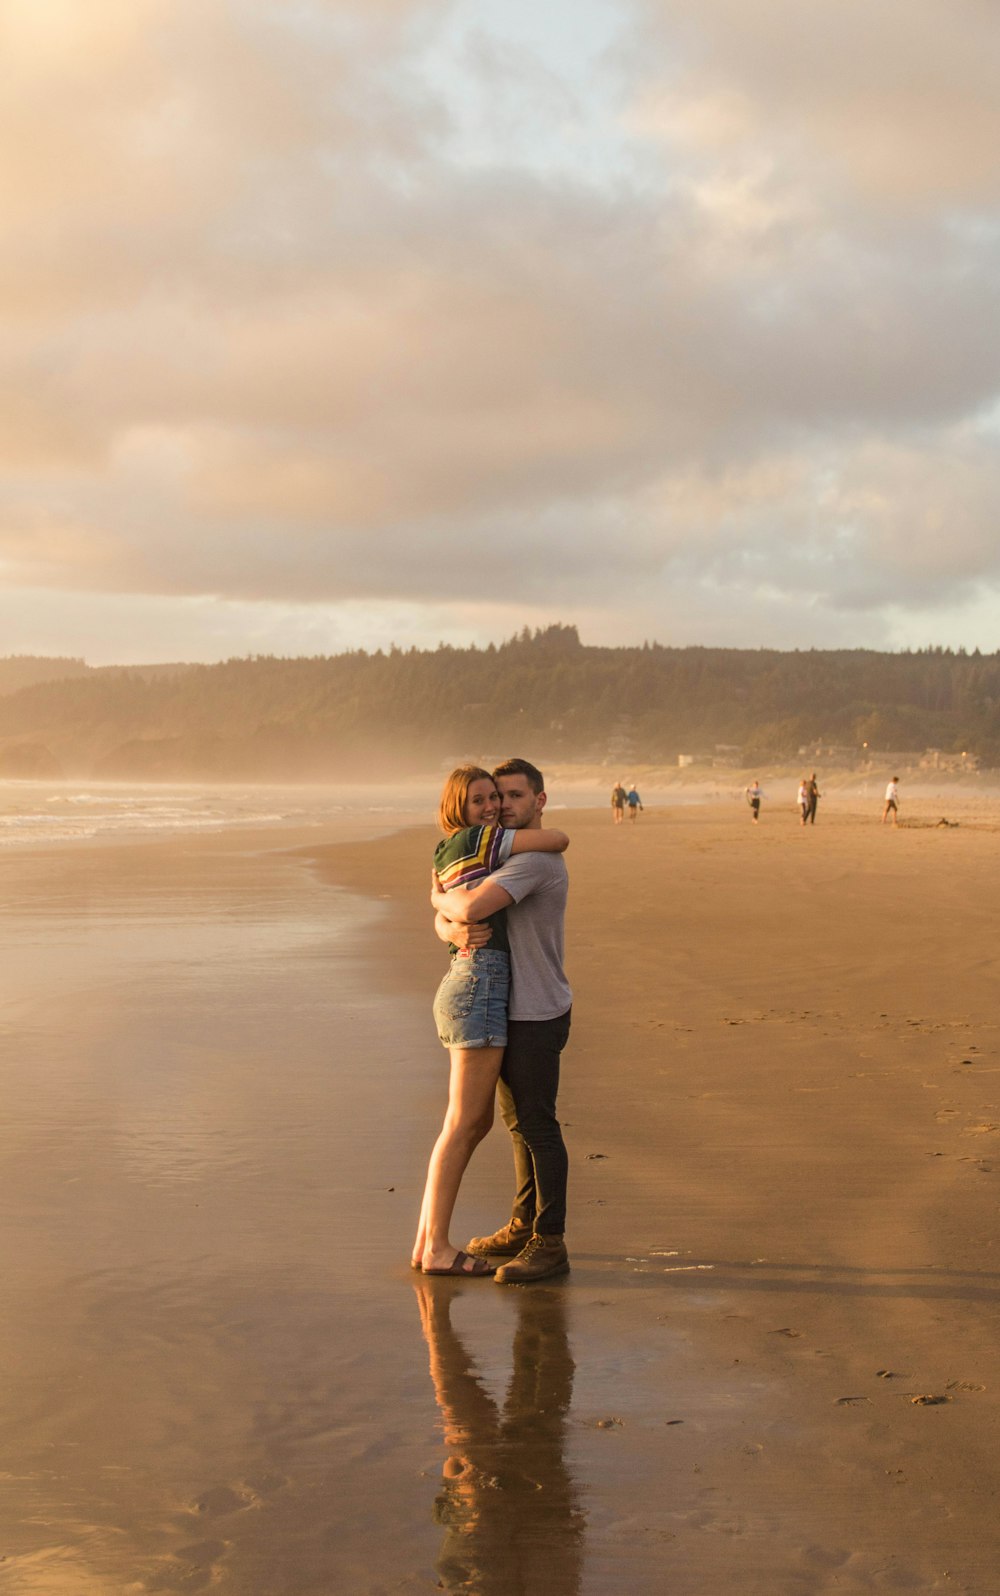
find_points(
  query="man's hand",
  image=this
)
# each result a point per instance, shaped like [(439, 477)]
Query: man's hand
[(473, 935)]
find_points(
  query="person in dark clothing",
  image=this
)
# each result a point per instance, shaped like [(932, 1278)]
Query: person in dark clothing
[(813, 795)]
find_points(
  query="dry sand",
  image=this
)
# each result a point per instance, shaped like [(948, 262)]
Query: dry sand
[(782, 1102)]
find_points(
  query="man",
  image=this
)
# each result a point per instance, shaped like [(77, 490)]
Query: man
[(891, 802), (634, 802), (813, 795), (534, 887)]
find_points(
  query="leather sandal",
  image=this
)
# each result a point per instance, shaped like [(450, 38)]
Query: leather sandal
[(458, 1263)]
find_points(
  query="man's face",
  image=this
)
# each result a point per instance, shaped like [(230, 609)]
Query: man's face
[(520, 805)]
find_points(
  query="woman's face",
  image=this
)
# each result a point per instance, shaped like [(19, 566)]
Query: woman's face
[(482, 804)]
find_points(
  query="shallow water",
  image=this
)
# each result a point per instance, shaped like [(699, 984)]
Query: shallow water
[(70, 811)]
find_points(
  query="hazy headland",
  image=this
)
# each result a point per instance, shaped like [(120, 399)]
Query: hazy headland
[(370, 716)]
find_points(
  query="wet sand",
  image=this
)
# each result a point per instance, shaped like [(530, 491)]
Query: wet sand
[(782, 1099)]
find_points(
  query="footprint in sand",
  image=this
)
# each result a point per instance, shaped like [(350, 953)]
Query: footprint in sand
[(826, 1557), (192, 1567), (196, 1564), (220, 1500), (850, 1401), (928, 1401), (787, 1331)]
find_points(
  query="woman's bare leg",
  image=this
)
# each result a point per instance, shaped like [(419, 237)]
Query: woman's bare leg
[(467, 1120)]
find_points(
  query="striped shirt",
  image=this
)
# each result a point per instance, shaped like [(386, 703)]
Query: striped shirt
[(466, 858)]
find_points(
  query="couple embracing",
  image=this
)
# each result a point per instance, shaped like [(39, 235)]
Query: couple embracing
[(503, 1012)]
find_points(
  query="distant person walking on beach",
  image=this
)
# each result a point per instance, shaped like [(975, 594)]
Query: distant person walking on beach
[(471, 1004), (533, 889), (813, 795), (634, 802), (754, 796), (891, 802), (803, 799), (618, 797)]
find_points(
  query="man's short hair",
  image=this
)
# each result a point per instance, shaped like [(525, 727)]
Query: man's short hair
[(522, 767)]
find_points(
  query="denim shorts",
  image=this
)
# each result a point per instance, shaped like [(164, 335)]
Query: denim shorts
[(470, 1005)]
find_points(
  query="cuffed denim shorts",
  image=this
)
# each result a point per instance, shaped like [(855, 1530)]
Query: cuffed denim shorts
[(470, 1006)]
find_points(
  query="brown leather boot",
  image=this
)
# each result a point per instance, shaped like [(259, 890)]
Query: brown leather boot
[(542, 1257), (505, 1243)]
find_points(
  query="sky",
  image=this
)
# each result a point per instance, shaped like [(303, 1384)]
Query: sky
[(330, 325)]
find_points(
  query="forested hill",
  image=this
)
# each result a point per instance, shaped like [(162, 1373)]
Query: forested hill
[(545, 692), (24, 670)]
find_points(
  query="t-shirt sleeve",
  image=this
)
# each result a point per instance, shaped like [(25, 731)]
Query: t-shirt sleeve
[(470, 855), (525, 873)]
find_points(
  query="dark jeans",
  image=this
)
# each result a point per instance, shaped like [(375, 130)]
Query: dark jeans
[(527, 1091)]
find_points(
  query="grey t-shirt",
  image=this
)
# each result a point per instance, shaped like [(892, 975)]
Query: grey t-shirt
[(539, 885)]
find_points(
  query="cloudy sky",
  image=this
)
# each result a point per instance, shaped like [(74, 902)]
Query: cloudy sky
[(332, 323)]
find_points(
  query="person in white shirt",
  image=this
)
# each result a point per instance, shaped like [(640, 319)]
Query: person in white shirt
[(891, 802), (803, 799)]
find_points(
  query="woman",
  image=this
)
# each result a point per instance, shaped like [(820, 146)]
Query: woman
[(470, 1008), (803, 800)]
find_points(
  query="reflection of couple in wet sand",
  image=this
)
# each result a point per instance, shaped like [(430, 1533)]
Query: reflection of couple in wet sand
[(507, 1504), (503, 1013)]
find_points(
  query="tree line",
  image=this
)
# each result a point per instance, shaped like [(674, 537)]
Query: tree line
[(407, 710)]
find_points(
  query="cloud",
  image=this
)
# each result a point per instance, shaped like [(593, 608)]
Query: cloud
[(893, 103), (282, 327)]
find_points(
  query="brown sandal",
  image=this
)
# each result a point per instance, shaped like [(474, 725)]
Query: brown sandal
[(458, 1263)]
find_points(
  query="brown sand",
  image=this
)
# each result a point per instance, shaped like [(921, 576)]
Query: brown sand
[(782, 1099)]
